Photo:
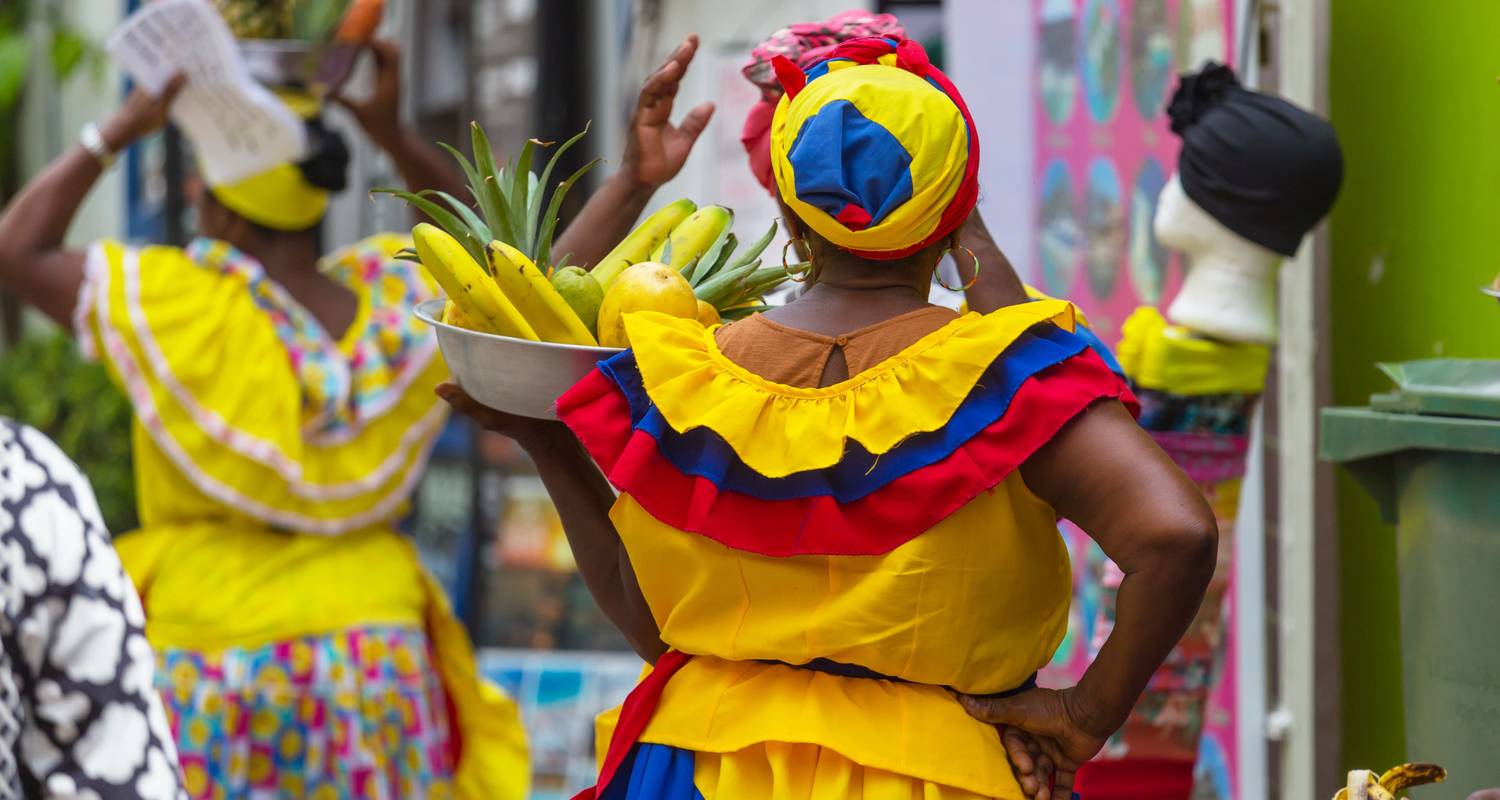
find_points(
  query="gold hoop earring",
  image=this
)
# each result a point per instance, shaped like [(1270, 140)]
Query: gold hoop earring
[(806, 273), (972, 280)]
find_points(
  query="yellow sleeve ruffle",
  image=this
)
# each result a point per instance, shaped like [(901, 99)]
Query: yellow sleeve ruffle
[(212, 385), (778, 430)]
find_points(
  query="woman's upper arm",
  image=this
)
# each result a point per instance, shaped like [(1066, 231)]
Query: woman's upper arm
[(51, 283), (1104, 473)]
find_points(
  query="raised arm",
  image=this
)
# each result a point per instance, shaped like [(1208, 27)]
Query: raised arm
[(583, 499), (420, 164), (655, 151), (1105, 474), (33, 262), (997, 285)]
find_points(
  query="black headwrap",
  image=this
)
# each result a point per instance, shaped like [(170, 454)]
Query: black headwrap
[(1264, 168), (327, 163)]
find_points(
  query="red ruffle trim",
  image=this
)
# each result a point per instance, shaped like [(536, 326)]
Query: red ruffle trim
[(599, 415)]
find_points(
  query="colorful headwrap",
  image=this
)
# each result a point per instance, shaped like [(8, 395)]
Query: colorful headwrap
[(874, 148), (282, 198), (805, 44)]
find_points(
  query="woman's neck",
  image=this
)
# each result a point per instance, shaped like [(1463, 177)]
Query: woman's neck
[(288, 260), (834, 309), (292, 262)]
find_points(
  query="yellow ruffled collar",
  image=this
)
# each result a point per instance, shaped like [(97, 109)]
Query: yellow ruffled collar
[(778, 429)]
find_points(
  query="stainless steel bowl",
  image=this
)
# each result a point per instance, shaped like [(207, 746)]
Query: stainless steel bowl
[(293, 64), (507, 374)]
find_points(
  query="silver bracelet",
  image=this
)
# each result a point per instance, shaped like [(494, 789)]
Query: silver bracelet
[(92, 140)]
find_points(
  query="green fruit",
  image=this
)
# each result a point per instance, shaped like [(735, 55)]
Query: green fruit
[(582, 293)]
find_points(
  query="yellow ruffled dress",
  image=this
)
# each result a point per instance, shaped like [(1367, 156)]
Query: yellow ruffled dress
[(827, 564), (304, 650)]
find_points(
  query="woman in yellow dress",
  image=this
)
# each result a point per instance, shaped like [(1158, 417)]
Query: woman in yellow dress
[(284, 410), (835, 536)]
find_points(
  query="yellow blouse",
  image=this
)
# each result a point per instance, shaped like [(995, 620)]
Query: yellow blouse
[(752, 512), (271, 462)]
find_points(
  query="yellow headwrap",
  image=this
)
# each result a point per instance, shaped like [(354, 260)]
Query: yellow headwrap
[(279, 198), (874, 148)]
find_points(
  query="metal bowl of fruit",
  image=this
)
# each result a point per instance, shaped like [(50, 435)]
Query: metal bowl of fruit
[(507, 374), (301, 44), (519, 330), (294, 64)]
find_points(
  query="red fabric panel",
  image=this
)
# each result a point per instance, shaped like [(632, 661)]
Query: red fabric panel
[(599, 415)]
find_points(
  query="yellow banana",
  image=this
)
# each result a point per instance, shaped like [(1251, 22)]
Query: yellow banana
[(455, 316), (467, 285), (642, 241), (694, 236), (532, 294)]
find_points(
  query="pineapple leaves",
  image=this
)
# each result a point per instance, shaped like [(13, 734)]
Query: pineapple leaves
[(444, 219), (524, 183), (476, 182), (494, 200), (757, 247), (711, 260), (476, 225), (544, 243), (536, 198), (511, 203), (317, 20)]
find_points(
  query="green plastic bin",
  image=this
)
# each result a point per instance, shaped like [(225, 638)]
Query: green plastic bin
[(1430, 455)]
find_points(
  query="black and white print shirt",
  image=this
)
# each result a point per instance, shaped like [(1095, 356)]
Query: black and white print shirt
[(79, 717)]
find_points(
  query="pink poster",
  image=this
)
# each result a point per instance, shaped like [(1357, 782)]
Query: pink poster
[(1104, 149)]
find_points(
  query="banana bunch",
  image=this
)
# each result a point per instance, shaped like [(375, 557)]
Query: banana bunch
[(642, 242), (1364, 785), (494, 259), (700, 244)]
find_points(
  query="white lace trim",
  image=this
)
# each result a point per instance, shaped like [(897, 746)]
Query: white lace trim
[(422, 434)]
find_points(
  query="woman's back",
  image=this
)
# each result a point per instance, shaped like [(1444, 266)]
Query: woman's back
[(799, 538), (794, 356)]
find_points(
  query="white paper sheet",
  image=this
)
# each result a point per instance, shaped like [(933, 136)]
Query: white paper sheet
[(237, 126)]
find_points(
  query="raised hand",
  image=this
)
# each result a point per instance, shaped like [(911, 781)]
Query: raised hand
[(379, 114), (142, 114), (655, 149)]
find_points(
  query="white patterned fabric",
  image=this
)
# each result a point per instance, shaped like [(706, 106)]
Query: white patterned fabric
[(78, 714)]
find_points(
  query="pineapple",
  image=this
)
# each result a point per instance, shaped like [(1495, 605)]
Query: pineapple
[(257, 19), (509, 201)]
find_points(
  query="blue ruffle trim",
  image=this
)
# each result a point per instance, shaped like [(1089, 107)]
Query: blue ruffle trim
[(703, 453)]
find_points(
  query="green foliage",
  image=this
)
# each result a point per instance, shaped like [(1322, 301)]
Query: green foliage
[(45, 384), (66, 52), (15, 57)]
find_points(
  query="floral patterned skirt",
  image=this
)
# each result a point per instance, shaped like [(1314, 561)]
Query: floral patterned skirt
[(355, 715)]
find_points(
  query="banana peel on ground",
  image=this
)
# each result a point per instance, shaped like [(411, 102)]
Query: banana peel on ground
[(1364, 784)]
